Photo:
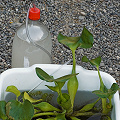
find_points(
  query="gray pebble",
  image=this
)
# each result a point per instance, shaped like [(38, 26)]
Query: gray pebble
[(101, 17)]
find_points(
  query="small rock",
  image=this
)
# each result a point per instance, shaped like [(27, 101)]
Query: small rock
[(118, 57), (21, 20), (83, 13), (81, 17), (16, 10), (116, 50), (110, 69), (0, 59), (102, 64), (117, 74)]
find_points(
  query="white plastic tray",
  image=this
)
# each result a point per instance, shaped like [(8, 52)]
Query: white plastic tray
[(26, 79)]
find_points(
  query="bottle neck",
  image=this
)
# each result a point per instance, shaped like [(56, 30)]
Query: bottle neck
[(32, 21)]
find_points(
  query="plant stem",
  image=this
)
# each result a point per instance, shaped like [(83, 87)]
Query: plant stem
[(17, 98), (104, 100), (74, 62), (110, 102), (101, 81), (84, 114), (104, 105), (45, 113), (72, 84), (61, 96)]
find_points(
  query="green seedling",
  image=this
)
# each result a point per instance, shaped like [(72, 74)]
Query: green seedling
[(103, 93), (15, 110), (83, 41), (63, 98)]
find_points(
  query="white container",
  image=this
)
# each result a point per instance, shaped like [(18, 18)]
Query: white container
[(26, 79), (32, 46)]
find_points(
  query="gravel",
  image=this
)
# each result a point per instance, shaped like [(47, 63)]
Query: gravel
[(101, 17)]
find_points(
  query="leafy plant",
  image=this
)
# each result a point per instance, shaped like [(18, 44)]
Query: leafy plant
[(14, 109), (28, 108), (83, 41), (103, 93)]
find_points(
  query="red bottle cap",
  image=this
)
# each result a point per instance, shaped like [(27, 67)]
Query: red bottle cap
[(34, 13)]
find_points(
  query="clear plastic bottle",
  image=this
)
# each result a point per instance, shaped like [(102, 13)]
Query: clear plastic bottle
[(33, 46)]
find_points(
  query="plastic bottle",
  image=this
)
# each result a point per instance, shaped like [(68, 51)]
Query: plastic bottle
[(32, 42)]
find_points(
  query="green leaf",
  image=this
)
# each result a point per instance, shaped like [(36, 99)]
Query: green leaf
[(114, 88), (60, 84), (72, 87), (86, 39), (88, 106), (60, 117), (45, 114), (53, 88), (27, 97), (85, 59), (107, 92), (71, 42), (44, 106), (19, 111), (65, 78), (83, 41), (57, 88), (42, 74), (84, 114), (96, 61), (64, 101), (3, 110), (14, 90), (101, 94)]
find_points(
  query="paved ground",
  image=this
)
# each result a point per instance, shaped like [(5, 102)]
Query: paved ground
[(101, 17)]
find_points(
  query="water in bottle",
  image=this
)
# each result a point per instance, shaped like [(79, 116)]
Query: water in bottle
[(32, 42)]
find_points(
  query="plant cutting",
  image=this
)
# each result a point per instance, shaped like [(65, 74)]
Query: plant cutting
[(25, 107)]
